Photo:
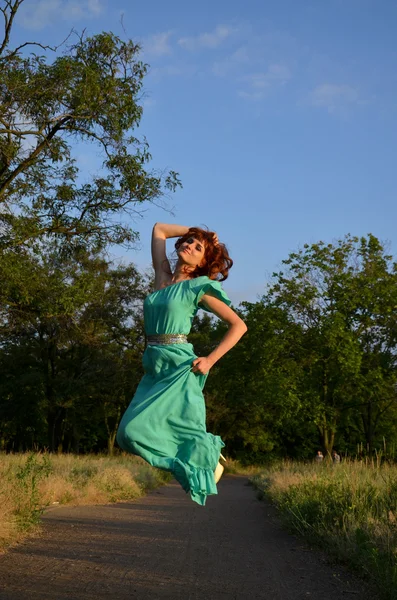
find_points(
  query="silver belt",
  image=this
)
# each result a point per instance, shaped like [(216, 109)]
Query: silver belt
[(163, 339)]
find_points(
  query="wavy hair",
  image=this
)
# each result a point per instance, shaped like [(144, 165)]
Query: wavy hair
[(217, 261)]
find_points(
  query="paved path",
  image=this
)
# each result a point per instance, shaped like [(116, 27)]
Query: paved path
[(165, 546)]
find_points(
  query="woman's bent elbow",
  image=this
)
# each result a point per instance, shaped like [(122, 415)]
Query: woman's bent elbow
[(242, 326)]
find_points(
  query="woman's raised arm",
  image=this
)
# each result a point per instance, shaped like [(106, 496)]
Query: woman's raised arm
[(161, 232)]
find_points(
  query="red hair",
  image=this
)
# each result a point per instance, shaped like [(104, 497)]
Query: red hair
[(217, 261)]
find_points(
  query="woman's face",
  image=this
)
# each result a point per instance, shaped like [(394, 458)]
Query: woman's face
[(191, 252)]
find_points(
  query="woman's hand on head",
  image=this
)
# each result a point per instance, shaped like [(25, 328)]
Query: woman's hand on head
[(201, 365)]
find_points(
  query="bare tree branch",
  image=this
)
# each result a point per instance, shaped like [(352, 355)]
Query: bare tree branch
[(8, 20)]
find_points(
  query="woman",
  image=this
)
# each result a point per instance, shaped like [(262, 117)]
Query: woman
[(165, 422)]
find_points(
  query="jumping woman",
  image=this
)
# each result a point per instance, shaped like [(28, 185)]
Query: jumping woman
[(165, 422)]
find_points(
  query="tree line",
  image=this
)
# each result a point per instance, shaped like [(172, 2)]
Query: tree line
[(318, 365), (317, 368)]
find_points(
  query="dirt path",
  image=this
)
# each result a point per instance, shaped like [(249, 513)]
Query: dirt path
[(165, 546)]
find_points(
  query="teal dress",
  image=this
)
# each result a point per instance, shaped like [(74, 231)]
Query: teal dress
[(165, 422)]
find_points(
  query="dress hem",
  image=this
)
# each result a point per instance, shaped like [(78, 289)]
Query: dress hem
[(198, 481)]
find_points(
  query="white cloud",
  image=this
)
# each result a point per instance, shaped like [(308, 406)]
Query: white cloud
[(172, 70), (207, 40), (259, 84), (158, 44), (40, 14), (253, 96), (148, 103), (275, 75), (226, 66), (334, 97)]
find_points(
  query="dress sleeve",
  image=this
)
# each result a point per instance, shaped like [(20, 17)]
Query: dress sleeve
[(212, 288)]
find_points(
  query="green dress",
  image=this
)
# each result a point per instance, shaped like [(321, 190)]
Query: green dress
[(165, 421)]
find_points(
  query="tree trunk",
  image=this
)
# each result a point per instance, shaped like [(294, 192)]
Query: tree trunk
[(112, 431), (368, 425), (111, 440), (52, 417), (327, 432)]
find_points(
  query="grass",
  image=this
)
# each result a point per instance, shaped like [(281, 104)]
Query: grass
[(32, 482), (350, 509)]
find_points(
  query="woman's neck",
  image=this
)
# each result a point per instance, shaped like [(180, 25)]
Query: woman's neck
[(181, 273)]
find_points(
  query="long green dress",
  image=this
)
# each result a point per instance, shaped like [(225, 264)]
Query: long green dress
[(165, 421)]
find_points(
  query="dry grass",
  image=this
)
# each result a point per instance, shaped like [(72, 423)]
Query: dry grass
[(234, 466), (350, 508), (31, 482)]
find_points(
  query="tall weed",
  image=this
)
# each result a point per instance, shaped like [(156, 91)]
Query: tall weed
[(28, 505)]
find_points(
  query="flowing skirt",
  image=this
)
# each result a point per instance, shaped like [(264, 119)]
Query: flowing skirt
[(165, 421)]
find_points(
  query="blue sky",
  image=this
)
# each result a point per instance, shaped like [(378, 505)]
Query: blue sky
[(280, 116)]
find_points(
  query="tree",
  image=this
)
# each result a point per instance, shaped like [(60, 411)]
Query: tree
[(71, 341), (89, 94), (343, 296), (375, 322)]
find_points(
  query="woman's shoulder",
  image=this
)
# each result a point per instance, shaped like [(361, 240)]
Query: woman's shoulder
[(204, 285), (202, 281)]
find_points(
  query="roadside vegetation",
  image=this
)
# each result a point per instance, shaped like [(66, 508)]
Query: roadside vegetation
[(236, 467), (350, 509), (32, 482)]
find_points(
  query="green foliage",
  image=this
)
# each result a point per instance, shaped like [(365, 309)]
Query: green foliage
[(90, 94), (71, 343), (342, 296)]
